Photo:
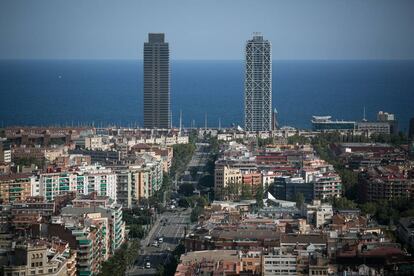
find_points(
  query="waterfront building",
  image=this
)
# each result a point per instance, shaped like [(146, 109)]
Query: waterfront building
[(374, 127), (324, 123), (390, 119), (258, 85), (157, 110)]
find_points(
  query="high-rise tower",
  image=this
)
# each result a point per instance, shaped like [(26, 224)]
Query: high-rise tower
[(258, 85), (156, 82)]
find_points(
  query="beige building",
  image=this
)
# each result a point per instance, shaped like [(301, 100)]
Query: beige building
[(39, 259), (223, 176), (15, 187)]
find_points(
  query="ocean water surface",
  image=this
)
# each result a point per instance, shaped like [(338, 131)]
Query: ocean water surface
[(102, 92)]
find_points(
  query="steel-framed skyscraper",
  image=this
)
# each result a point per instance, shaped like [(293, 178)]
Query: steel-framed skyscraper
[(258, 84), (156, 82)]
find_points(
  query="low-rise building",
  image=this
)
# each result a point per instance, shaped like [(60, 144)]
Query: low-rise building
[(15, 187), (39, 258), (223, 177), (384, 183), (108, 210), (278, 261), (318, 213), (405, 231)]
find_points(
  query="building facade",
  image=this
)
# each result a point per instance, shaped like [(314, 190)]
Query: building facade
[(279, 262), (258, 85), (156, 82), (38, 259), (15, 187)]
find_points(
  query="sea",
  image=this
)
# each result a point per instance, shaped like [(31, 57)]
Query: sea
[(110, 92)]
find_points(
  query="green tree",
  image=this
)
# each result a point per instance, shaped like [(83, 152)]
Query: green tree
[(136, 231), (246, 192), (201, 201), (261, 142), (259, 196), (343, 203), (123, 258), (369, 208), (195, 213), (298, 139), (182, 154), (232, 190)]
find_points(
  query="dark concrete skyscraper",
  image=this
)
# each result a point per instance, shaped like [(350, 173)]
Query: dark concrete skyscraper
[(156, 82), (258, 85)]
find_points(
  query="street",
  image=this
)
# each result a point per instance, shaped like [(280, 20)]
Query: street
[(171, 227)]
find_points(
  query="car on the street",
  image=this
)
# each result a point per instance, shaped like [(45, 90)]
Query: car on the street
[(160, 239), (155, 243), (147, 265)]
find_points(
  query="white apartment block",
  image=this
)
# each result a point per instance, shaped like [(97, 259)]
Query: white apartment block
[(279, 262)]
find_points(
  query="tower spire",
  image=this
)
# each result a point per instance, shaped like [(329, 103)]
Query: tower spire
[(364, 119), (181, 121)]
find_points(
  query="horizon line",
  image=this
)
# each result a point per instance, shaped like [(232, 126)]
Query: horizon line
[(204, 60)]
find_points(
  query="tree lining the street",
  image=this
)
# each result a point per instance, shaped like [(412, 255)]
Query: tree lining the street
[(122, 260)]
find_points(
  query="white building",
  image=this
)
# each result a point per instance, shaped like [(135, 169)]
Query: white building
[(318, 213), (374, 127), (85, 181), (279, 262), (97, 143)]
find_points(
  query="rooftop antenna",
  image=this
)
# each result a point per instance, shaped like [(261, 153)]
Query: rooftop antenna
[(205, 121), (181, 122), (219, 123), (364, 119)]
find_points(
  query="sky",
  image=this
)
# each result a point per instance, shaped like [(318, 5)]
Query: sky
[(207, 30)]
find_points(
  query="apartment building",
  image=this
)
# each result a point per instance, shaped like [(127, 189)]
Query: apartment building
[(15, 187)]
